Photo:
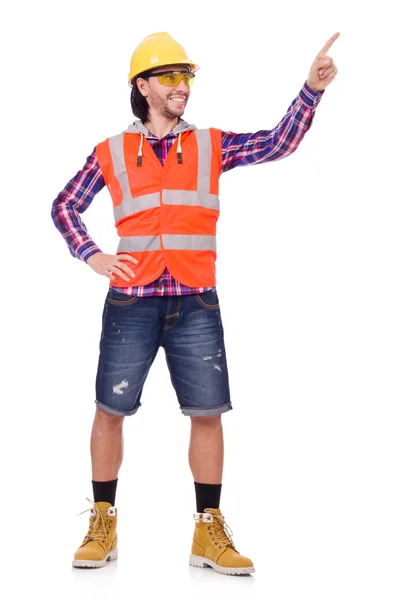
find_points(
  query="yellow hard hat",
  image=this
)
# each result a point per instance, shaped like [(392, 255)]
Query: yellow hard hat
[(157, 50)]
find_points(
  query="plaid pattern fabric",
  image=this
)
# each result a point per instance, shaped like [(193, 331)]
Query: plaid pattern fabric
[(238, 149)]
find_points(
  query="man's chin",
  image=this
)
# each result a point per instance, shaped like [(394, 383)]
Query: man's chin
[(174, 114)]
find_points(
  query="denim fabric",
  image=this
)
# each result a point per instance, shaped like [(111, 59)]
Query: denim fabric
[(190, 330)]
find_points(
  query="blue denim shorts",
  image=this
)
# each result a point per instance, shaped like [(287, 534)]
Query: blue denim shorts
[(190, 330)]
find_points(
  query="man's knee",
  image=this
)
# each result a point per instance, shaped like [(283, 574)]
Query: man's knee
[(213, 421), (105, 419)]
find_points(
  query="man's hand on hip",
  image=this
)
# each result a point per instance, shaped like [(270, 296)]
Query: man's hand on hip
[(107, 264)]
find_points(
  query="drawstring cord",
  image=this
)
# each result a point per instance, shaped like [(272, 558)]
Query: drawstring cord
[(139, 157), (178, 151)]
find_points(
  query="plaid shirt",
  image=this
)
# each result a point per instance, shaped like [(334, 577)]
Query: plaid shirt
[(238, 149)]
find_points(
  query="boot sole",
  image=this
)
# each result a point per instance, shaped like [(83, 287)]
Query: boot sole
[(200, 561), (95, 564)]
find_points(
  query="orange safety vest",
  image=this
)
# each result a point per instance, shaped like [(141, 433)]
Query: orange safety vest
[(165, 215)]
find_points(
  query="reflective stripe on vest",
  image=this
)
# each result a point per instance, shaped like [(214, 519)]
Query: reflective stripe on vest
[(144, 243), (189, 242), (129, 205), (139, 243), (189, 198), (202, 197)]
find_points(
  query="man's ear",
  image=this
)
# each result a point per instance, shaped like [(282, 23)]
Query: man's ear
[(140, 83)]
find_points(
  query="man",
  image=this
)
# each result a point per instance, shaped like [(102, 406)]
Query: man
[(163, 176)]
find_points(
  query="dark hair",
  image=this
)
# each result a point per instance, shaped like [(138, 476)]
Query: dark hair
[(139, 104)]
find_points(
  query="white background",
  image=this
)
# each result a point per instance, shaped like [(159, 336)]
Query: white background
[(307, 285)]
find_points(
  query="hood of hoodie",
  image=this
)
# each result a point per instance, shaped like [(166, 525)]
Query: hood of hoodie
[(139, 127)]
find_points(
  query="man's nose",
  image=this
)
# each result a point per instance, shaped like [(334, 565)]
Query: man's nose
[(182, 87)]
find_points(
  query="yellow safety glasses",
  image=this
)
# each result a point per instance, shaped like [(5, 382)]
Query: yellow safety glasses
[(174, 78)]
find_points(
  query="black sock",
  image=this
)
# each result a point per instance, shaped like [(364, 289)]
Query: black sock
[(105, 491), (208, 495)]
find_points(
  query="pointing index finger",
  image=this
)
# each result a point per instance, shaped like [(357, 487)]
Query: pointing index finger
[(328, 45)]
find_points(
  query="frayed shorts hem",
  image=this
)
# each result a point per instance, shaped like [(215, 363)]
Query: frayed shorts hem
[(207, 412), (118, 413)]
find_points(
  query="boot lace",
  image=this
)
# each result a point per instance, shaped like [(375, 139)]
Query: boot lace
[(97, 525), (223, 535)]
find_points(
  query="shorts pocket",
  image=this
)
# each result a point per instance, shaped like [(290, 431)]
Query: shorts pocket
[(120, 299), (208, 299)]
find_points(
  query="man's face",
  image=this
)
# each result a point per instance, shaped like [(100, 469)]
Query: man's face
[(167, 101)]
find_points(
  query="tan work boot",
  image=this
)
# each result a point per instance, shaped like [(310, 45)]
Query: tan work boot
[(213, 545), (100, 543)]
